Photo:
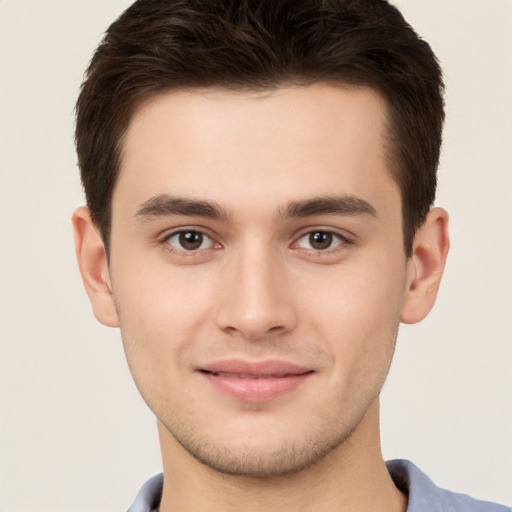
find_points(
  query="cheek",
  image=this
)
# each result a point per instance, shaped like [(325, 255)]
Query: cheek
[(356, 309), (157, 297), (160, 316)]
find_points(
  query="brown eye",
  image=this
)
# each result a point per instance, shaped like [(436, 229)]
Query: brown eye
[(189, 240), (320, 240)]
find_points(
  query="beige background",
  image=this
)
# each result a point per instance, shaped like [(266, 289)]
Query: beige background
[(74, 434)]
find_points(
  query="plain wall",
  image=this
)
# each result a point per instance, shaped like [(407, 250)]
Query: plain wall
[(75, 435)]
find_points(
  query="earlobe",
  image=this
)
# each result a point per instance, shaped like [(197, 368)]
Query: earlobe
[(426, 266), (93, 264)]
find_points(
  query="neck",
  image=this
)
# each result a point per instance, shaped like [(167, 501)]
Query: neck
[(351, 477)]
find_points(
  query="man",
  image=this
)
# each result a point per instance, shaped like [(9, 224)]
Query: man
[(259, 179)]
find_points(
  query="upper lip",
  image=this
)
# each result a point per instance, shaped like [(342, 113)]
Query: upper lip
[(267, 368)]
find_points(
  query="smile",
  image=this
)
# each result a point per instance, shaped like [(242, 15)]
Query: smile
[(250, 376), (255, 382)]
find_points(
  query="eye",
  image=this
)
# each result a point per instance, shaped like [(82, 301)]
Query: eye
[(320, 240), (189, 240)]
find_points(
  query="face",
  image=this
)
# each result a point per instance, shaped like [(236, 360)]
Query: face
[(258, 270)]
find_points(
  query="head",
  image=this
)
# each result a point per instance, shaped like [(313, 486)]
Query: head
[(255, 46), (263, 173)]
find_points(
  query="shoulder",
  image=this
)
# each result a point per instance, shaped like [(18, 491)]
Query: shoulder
[(148, 498), (425, 496)]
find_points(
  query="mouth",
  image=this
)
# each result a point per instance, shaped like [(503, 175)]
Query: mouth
[(255, 381), (251, 376)]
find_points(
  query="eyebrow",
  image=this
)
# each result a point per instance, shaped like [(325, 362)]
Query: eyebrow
[(165, 205), (326, 205)]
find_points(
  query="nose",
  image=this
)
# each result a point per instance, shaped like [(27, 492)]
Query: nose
[(255, 299)]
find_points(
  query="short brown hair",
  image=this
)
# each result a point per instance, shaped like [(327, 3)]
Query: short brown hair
[(159, 45)]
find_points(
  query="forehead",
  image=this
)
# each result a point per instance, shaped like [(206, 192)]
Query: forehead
[(273, 146)]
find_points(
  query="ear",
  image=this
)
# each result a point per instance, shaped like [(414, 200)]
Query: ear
[(425, 266), (93, 264)]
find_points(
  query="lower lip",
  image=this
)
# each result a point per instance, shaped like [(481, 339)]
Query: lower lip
[(256, 390)]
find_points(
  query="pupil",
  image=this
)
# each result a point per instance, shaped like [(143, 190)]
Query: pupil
[(191, 240), (320, 240)]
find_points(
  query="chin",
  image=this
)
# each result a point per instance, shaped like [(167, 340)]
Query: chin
[(263, 456), (259, 463)]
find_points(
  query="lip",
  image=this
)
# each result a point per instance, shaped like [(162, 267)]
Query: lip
[(255, 381)]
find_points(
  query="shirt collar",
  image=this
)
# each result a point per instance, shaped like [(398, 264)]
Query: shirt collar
[(423, 494)]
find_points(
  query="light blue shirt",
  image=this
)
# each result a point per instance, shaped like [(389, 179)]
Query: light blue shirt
[(424, 495)]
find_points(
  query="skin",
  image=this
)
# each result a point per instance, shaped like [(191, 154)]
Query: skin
[(258, 288)]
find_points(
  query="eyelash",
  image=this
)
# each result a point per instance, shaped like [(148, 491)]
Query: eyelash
[(343, 242), (165, 242)]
